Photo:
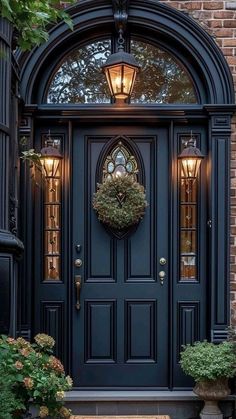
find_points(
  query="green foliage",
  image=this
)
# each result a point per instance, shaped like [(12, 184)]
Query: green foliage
[(32, 376), (120, 202), (207, 361), (31, 18), (32, 157), (8, 401)]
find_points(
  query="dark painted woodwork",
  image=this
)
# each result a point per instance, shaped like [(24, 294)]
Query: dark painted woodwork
[(10, 246), (11, 249), (192, 310), (174, 30), (219, 145), (53, 323), (124, 308)]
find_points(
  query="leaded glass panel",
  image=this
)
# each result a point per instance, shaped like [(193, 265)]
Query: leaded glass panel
[(120, 162)]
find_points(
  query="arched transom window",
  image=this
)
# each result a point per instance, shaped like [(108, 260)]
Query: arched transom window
[(162, 79)]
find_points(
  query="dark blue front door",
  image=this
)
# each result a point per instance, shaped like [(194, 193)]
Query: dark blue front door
[(120, 332)]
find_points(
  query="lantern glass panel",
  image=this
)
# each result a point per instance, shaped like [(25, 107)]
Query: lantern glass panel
[(190, 167), (128, 79)]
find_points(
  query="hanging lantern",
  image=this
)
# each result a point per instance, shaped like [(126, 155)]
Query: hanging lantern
[(191, 158), (121, 69), (50, 160)]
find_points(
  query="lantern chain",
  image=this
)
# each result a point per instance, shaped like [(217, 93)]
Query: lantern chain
[(120, 10)]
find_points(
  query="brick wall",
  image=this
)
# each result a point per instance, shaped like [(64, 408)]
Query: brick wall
[(218, 18)]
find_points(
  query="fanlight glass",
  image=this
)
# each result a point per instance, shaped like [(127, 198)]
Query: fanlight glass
[(79, 78), (162, 79), (120, 162)]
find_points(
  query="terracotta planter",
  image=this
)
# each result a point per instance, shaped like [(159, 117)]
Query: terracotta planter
[(211, 391)]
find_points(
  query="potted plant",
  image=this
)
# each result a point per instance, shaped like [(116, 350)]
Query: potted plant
[(211, 366), (31, 376)]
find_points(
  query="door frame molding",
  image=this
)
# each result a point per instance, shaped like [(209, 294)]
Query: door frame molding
[(217, 120)]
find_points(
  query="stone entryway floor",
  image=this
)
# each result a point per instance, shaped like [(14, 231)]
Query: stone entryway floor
[(121, 417)]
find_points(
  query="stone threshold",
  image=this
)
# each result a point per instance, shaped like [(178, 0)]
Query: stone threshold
[(132, 395), (129, 395), (122, 417)]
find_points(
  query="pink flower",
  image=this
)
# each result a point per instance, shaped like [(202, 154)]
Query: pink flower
[(28, 382), (18, 365)]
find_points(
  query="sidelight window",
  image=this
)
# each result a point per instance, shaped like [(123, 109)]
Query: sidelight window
[(188, 222), (52, 218)]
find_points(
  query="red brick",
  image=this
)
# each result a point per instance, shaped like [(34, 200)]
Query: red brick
[(229, 42), (213, 5), (215, 23), (222, 14), (231, 60), (191, 5), (224, 33), (229, 23)]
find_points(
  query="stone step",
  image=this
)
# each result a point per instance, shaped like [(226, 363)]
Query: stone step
[(121, 417)]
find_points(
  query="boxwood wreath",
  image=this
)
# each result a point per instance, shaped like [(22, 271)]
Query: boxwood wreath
[(120, 202)]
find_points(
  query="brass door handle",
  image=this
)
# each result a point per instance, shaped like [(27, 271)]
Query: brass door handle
[(78, 284)]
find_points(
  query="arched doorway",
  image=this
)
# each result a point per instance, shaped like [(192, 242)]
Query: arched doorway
[(130, 327)]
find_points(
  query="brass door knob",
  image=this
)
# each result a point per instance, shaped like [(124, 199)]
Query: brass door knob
[(162, 261), (78, 263), (162, 275)]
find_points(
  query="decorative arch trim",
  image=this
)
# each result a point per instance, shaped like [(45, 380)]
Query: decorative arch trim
[(164, 23)]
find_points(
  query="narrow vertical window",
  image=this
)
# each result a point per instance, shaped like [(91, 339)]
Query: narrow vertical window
[(188, 222), (52, 218)]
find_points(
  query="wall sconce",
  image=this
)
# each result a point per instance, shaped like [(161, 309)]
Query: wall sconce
[(121, 68), (191, 158), (50, 159)]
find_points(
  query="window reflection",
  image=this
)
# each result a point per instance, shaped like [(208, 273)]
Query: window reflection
[(162, 79), (79, 79)]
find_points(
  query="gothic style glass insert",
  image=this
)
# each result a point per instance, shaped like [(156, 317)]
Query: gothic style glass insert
[(162, 78), (188, 225), (52, 218), (79, 78), (120, 162)]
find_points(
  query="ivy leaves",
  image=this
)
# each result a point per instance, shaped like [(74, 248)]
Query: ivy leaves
[(30, 18)]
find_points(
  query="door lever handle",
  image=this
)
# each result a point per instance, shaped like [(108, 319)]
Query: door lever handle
[(78, 284)]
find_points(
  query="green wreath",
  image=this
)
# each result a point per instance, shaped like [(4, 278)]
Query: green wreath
[(120, 202)]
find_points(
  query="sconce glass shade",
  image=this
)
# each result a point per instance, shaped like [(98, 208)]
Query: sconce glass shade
[(50, 160), (191, 158), (121, 70)]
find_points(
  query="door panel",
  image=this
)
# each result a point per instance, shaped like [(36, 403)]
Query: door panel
[(120, 332)]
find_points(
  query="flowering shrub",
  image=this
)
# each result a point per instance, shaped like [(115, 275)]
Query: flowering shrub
[(34, 376)]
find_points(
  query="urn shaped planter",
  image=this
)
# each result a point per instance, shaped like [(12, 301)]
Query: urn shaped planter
[(211, 391)]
